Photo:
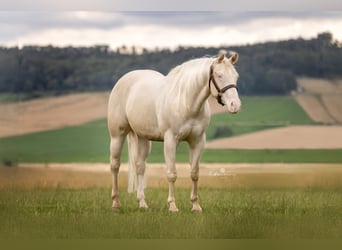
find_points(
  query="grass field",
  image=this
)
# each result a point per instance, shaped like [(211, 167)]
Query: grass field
[(90, 142), (259, 113), (312, 212), (6, 98), (69, 205), (50, 204)]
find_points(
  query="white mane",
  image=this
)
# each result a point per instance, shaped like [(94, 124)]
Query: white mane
[(187, 77)]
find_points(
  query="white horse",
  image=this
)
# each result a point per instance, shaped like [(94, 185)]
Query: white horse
[(148, 106)]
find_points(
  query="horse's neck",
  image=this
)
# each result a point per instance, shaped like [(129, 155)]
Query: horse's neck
[(198, 98), (194, 92)]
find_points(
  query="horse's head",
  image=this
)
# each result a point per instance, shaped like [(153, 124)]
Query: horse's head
[(222, 81)]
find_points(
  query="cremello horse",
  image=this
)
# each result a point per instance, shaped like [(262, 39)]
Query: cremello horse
[(148, 106)]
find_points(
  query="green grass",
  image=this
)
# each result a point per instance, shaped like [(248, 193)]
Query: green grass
[(274, 156), (8, 97), (252, 155), (11, 97), (236, 213), (259, 113), (90, 142)]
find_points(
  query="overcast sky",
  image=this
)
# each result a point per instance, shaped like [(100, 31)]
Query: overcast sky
[(162, 29)]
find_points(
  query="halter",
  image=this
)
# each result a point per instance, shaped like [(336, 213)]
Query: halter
[(219, 91)]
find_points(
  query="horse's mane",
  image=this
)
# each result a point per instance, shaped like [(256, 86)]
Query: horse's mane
[(190, 66), (188, 77)]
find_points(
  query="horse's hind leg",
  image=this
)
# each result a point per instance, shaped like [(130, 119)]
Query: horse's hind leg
[(116, 144), (144, 146)]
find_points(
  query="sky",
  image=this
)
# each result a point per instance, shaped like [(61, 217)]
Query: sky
[(162, 29)]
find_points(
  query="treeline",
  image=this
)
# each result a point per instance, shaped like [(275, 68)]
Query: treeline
[(265, 68)]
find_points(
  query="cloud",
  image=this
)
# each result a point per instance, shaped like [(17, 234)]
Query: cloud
[(162, 29), (176, 5)]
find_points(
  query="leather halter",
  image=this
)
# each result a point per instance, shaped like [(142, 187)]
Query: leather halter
[(219, 90)]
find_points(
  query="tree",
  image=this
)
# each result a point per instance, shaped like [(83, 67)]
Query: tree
[(264, 68)]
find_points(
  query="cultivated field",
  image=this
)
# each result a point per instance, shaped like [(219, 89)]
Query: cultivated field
[(321, 99), (58, 112), (51, 113), (291, 137)]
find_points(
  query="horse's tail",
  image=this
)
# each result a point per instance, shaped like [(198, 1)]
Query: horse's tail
[(132, 156), (133, 145)]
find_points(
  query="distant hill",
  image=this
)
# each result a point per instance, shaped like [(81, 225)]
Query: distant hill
[(269, 68)]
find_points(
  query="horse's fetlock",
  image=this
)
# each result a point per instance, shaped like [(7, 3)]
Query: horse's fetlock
[(115, 195), (194, 198)]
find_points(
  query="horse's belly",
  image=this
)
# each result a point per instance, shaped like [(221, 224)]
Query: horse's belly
[(146, 128), (152, 136)]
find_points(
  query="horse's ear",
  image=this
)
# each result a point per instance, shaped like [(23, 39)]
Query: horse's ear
[(221, 55), (234, 57)]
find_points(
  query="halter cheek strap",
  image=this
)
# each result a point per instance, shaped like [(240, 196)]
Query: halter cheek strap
[(219, 90)]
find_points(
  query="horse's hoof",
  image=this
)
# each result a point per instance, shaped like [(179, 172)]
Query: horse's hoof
[(143, 205), (196, 209), (116, 209), (116, 205), (173, 208)]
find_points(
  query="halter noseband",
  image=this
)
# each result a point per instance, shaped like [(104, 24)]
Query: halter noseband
[(219, 91)]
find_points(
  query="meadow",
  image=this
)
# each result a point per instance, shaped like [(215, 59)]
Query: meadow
[(90, 142), (258, 113), (258, 211), (46, 204)]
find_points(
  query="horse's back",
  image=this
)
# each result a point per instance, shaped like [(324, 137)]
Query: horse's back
[(135, 81), (131, 78)]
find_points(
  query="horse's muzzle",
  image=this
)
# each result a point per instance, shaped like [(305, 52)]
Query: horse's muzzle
[(234, 106)]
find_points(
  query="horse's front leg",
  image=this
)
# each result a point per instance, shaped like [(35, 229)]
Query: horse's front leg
[(170, 147), (196, 149)]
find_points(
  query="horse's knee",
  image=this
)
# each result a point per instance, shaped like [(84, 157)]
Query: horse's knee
[(194, 173), (194, 176), (114, 165), (140, 168), (172, 176)]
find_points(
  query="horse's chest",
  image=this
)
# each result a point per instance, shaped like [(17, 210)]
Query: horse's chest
[(190, 128)]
